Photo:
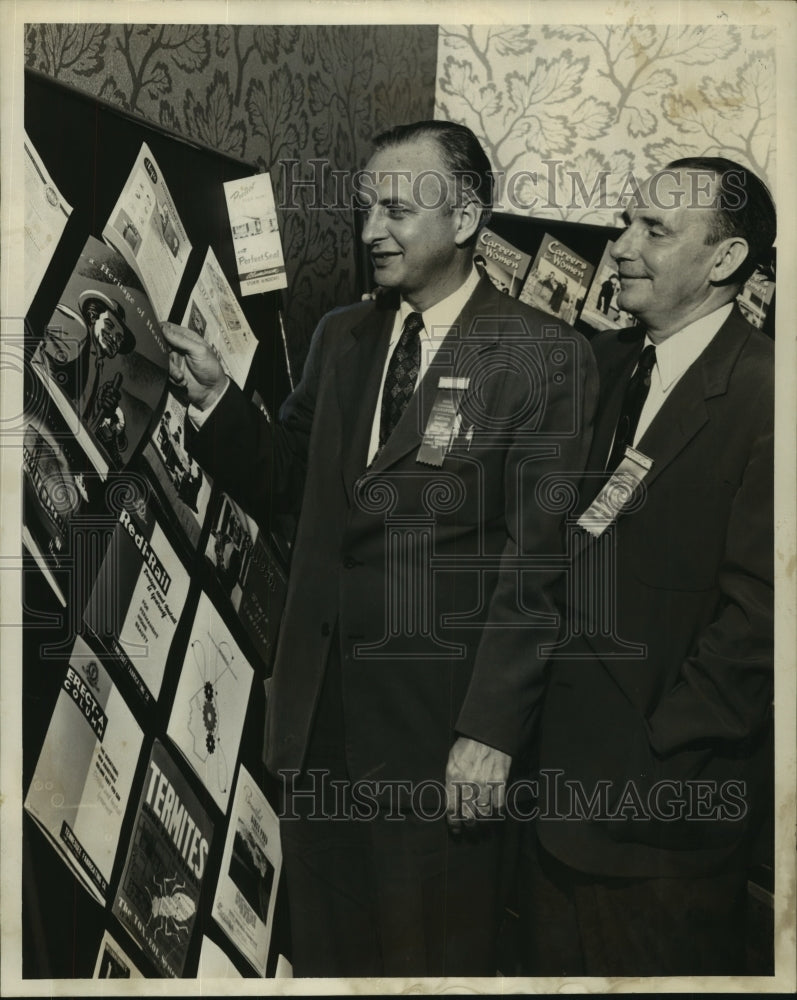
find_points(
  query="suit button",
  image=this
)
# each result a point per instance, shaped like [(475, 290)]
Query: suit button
[(325, 628), (349, 563)]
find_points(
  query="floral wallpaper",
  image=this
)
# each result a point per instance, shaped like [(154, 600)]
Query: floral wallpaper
[(263, 94), (583, 107), (566, 113)]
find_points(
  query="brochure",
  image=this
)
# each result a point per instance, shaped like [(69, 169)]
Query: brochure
[(161, 883), (210, 703), (255, 234), (147, 231), (81, 785), (46, 216), (138, 598), (250, 870)]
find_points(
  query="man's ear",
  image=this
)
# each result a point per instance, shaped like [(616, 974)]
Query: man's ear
[(730, 255), (469, 213)]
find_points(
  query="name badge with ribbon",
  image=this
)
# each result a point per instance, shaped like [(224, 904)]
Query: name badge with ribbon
[(444, 421), (617, 492)]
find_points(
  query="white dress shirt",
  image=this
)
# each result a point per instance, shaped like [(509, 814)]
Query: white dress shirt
[(437, 321), (673, 357)]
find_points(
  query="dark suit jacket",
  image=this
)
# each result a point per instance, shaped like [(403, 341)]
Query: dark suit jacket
[(466, 662), (686, 576)]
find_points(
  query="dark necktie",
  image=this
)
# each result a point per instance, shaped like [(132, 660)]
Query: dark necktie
[(401, 376), (636, 393)]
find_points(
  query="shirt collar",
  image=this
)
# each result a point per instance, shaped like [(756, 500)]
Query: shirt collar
[(675, 354), (439, 318)]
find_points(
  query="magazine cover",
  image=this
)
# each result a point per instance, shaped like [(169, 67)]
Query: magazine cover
[(210, 702), (557, 281), (161, 882), (255, 234), (81, 785), (185, 487), (145, 228), (214, 313), (102, 358), (755, 299), (250, 870), (113, 963), (59, 485), (138, 597), (249, 573), (504, 264), (601, 309)]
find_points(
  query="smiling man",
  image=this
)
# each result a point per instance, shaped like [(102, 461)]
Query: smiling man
[(654, 749), (416, 447)]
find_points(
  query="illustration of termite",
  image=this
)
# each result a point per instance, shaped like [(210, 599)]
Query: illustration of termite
[(172, 908)]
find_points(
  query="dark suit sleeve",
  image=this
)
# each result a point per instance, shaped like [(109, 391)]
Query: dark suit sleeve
[(260, 465), (724, 691), (507, 681)]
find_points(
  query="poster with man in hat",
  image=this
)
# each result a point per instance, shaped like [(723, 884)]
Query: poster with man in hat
[(102, 358)]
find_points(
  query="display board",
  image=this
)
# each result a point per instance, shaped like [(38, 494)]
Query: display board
[(151, 604)]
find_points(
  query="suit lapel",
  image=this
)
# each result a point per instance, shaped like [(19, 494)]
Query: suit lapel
[(684, 411), (682, 414), (358, 377)]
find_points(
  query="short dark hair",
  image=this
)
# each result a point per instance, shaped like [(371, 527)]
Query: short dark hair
[(744, 207), (461, 151)]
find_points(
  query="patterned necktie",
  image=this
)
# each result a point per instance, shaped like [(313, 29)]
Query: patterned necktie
[(636, 393), (401, 376)]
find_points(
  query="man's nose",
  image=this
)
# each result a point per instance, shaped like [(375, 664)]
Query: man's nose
[(624, 245), (373, 229)]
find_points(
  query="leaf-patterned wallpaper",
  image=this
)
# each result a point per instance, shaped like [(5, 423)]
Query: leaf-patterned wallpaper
[(599, 102), (263, 94), (581, 107)]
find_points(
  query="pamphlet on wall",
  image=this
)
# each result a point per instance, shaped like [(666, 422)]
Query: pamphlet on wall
[(161, 883), (59, 486), (145, 228), (558, 280), (255, 234), (113, 963), (138, 597), (214, 313), (504, 264), (184, 485), (210, 703), (601, 309), (250, 870), (249, 573), (46, 216), (81, 785), (755, 298), (102, 359)]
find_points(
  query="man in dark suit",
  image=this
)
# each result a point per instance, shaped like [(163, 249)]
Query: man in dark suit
[(654, 749), (420, 441)]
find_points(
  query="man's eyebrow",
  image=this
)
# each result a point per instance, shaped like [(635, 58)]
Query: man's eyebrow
[(655, 220)]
